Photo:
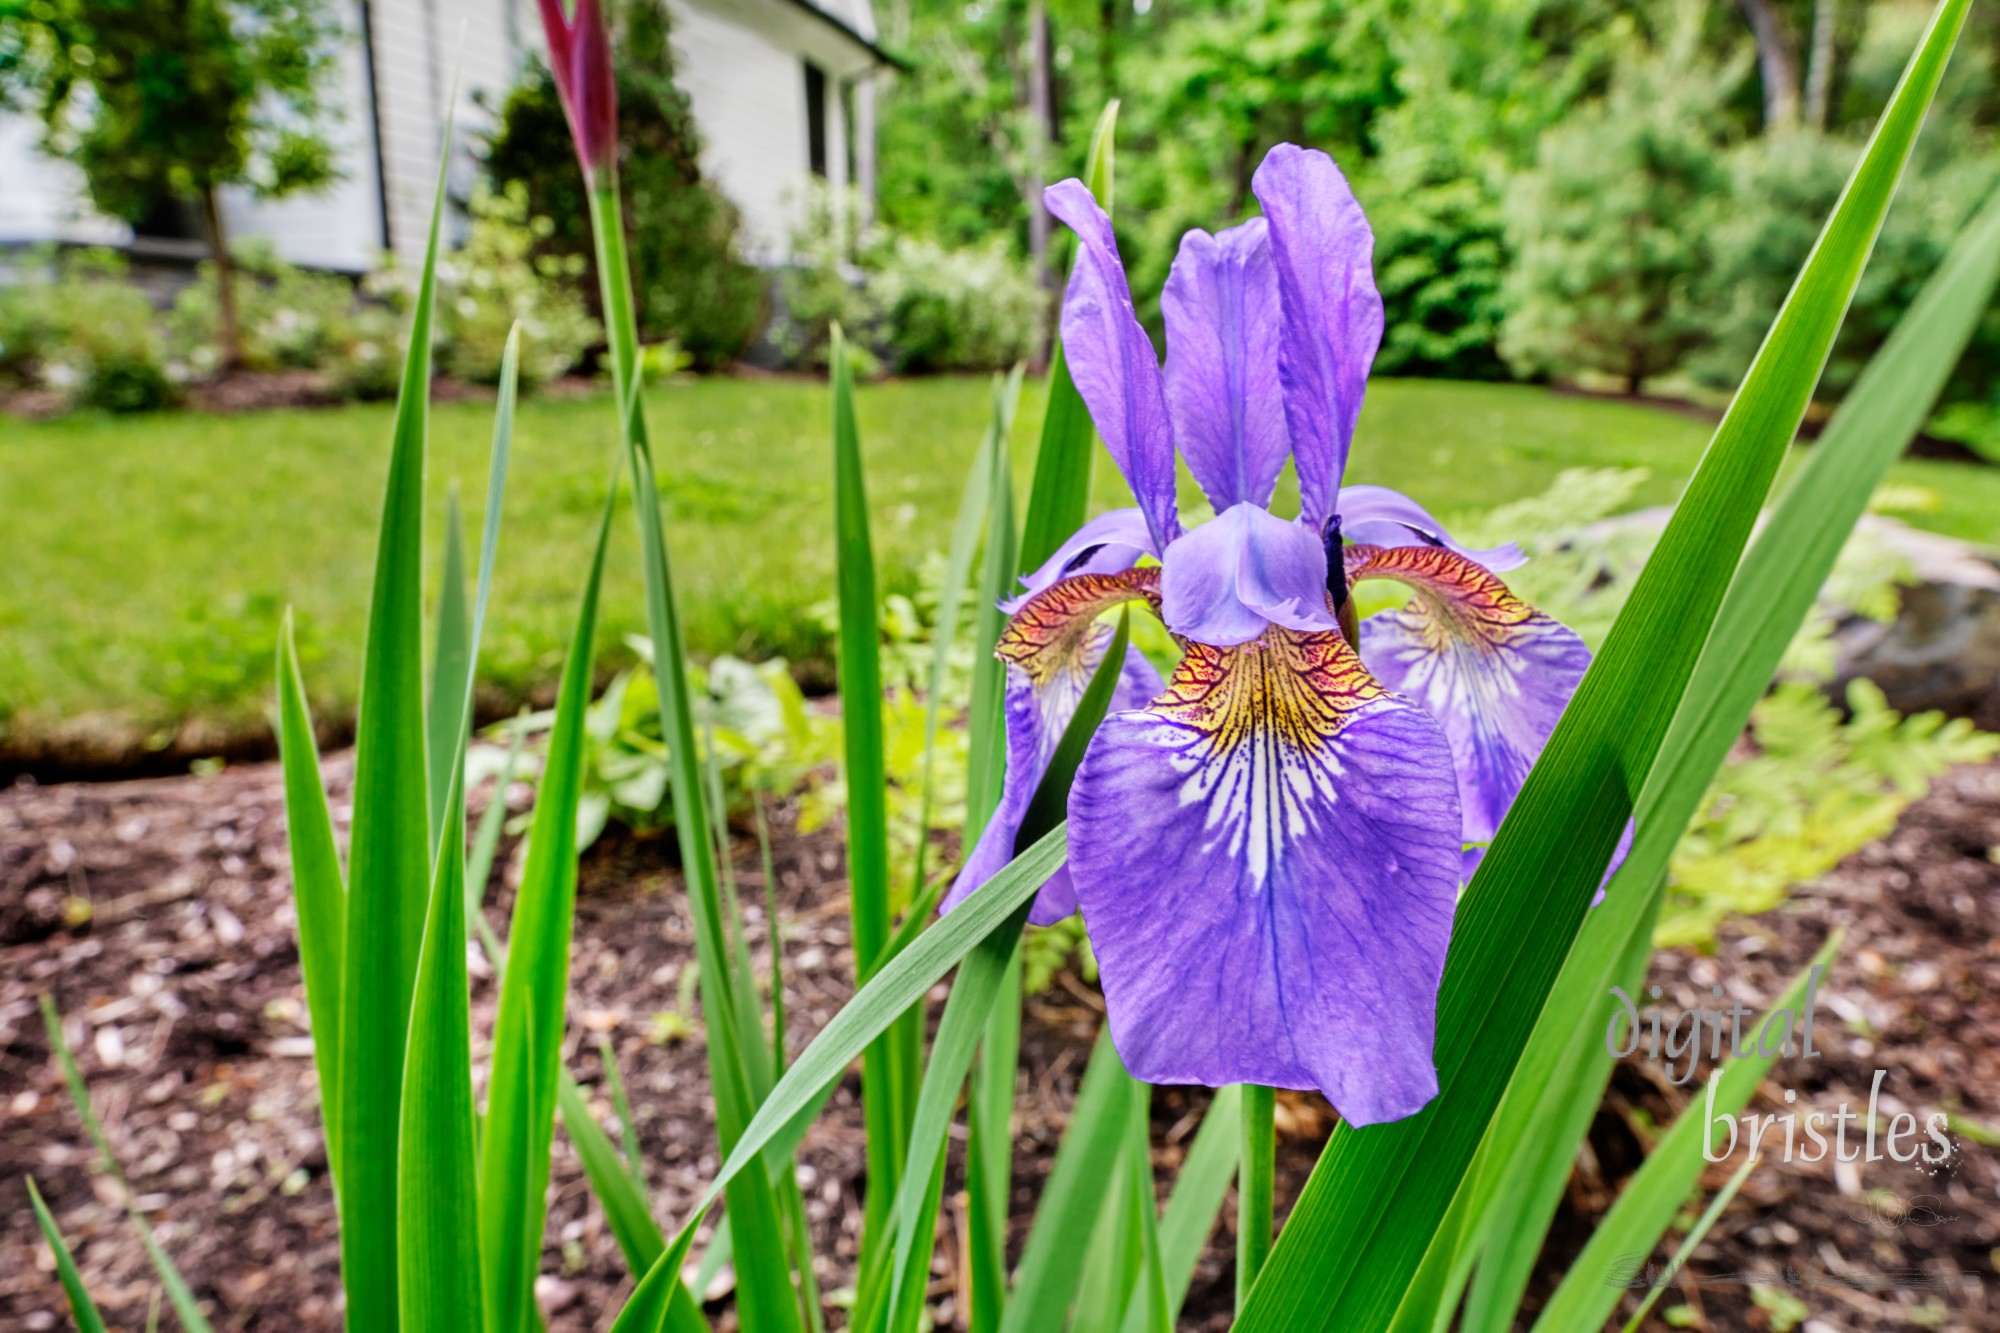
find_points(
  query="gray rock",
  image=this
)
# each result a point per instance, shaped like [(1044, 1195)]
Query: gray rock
[(1943, 649)]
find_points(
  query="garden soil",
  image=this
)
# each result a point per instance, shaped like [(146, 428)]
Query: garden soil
[(158, 915)]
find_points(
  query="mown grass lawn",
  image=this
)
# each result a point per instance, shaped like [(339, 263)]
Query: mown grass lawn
[(147, 560)]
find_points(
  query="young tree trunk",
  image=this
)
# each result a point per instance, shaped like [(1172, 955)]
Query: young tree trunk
[(1819, 63), (1775, 64), (227, 336)]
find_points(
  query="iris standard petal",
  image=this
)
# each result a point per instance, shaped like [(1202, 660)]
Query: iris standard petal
[(1112, 360), (1052, 647), (1221, 311), (1379, 516), (1109, 543), (1493, 671), (1224, 582), (1268, 859), (1332, 314)]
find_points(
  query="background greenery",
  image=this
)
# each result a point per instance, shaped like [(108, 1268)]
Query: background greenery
[(147, 567)]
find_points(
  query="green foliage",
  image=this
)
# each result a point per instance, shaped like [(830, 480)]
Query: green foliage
[(693, 287), (908, 304), (75, 322), (1818, 787), (169, 99), (754, 725), (125, 385), (1779, 188), (495, 280), (1609, 229), (290, 318)]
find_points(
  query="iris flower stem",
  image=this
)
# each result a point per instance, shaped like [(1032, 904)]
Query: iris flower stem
[(1254, 1202)]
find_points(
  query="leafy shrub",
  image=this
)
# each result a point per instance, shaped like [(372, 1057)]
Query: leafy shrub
[(692, 285), (1440, 262), (971, 309), (81, 320), (1609, 228), (907, 304), (1781, 187), (126, 384), (289, 318), (497, 278), (24, 331)]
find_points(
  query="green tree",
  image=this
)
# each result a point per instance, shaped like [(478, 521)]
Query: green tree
[(175, 99), (1610, 229)]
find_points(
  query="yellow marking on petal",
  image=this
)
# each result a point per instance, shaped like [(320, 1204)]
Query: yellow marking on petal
[(1266, 717)]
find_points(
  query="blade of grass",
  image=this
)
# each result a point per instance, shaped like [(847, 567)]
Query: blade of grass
[(973, 503), (1111, 1259), (752, 1038), (317, 887), (176, 1286), (1701, 1228), (888, 1073), (1654, 1195), (1196, 1202), (766, 1300), (456, 657), (989, 1110), (451, 666), (986, 751), (1077, 1187), (534, 990), (81, 1307), (492, 823), (1533, 1168), (774, 926), (901, 983), (437, 1202), (389, 867), (1149, 1296), (1778, 582), (980, 980), (628, 1128), (1522, 912)]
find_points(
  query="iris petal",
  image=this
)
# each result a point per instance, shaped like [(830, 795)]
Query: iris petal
[(1224, 582), (1379, 516), (1268, 859), (1493, 671), (1221, 312), (1113, 362), (1052, 647), (1332, 314), (1109, 543)]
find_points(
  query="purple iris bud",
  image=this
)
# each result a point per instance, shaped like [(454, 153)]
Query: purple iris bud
[(580, 58), (1269, 845)]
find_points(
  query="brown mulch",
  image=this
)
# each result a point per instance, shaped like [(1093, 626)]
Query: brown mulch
[(158, 915)]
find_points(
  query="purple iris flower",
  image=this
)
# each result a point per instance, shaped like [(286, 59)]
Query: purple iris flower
[(1268, 847)]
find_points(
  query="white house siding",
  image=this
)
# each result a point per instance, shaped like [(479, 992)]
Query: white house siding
[(43, 199), (742, 63), (340, 227), (418, 46)]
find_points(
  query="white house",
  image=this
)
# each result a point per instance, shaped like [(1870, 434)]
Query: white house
[(782, 92)]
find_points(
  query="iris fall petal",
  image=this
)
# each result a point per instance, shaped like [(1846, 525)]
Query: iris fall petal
[(1267, 858)]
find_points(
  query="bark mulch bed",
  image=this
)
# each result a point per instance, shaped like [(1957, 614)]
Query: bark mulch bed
[(158, 915)]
